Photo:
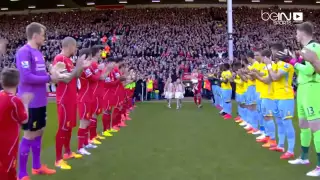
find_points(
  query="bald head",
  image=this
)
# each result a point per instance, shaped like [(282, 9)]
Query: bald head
[(68, 41), (69, 46)]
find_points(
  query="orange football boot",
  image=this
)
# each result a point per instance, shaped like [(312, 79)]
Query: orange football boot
[(276, 148), (252, 131), (43, 170), (287, 155), (25, 178), (270, 143), (237, 118), (264, 140)]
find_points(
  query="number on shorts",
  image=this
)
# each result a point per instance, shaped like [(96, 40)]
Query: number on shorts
[(310, 111)]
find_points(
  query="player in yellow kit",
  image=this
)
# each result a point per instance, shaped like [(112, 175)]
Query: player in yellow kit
[(226, 91), (252, 96), (284, 101), (267, 101), (241, 88)]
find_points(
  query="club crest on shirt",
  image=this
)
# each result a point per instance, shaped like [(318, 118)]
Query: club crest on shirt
[(117, 75), (35, 59), (286, 65), (25, 64), (34, 125), (88, 72), (97, 70), (88, 115), (108, 79)]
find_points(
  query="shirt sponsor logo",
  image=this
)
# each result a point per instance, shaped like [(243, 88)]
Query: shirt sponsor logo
[(108, 79), (88, 72), (40, 67), (25, 64)]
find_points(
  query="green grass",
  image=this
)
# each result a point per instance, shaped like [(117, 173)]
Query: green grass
[(169, 144)]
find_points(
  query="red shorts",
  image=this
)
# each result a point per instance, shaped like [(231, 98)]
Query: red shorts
[(197, 92), (96, 105), (84, 109), (67, 116), (8, 165)]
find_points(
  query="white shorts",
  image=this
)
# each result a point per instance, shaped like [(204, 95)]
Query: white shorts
[(168, 95), (178, 95)]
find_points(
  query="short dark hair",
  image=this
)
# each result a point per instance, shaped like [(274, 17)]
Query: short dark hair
[(306, 27), (34, 28), (95, 49), (86, 51), (226, 66), (10, 77), (277, 46), (250, 54), (266, 53)]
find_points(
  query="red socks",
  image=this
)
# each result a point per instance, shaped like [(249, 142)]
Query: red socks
[(93, 128), (199, 100), (116, 117), (67, 141), (86, 140), (81, 137), (106, 120), (195, 99), (60, 139)]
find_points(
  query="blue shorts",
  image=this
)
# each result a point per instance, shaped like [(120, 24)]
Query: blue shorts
[(226, 95), (284, 108), (240, 98), (258, 101), (251, 95), (219, 91), (268, 107), (214, 89)]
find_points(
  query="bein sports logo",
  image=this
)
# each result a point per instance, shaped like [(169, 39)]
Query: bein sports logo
[(281, 18)]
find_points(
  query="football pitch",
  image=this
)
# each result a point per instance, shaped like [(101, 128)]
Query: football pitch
[(169, 144)]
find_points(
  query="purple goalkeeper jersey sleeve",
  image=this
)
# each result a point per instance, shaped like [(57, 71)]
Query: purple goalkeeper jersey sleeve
[(33, 75)]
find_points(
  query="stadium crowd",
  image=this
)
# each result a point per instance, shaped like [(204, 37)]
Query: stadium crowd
[(147, 44), (155, 41)]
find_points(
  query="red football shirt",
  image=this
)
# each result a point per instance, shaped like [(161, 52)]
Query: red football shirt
[(12, 114), (101, 87), (87, 78), (66, 92), (120, 90), (94, 82), (200, 79)]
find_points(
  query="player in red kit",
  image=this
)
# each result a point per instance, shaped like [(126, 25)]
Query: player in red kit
[(112, 115), (94, 89), (197, 87), (119, 109), (66, 96), (13, 114), (84, 105)]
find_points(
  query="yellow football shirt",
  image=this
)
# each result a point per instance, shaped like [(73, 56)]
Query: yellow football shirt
[(255, 65), (239, 85), (283, 87), (259, 68), (267, 90), (226, 75)]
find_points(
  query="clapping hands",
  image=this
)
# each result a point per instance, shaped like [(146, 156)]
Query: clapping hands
[(26, 98)]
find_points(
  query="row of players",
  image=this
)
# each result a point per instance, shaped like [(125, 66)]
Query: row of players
[(88, 88), (265, 96)]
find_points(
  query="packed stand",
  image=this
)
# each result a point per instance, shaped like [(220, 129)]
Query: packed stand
[(156, 41)]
